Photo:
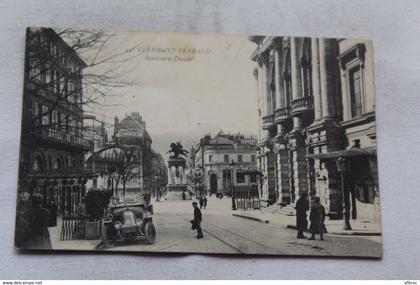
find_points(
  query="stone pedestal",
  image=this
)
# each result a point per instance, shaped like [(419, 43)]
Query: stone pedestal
[(177, 180)]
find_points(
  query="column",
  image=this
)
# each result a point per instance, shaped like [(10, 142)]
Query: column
[(295, 69), (266, 91), (316, 87), (278, 78), (262, 86), (169, 175), (184, 175), (326, 70)]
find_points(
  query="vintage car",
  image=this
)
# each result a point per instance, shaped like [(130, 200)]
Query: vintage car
[(129, 221)]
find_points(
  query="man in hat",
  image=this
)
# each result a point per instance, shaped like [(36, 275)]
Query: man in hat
[(196, 222), (302, 206)]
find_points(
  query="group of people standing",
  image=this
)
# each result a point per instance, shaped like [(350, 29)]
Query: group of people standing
[(316, 217), (33, 221)]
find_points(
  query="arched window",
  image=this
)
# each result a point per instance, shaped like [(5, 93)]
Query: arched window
[(306, 67), (49, 163), (56, 164), (37, 164)]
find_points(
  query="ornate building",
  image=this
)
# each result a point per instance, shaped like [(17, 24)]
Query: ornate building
[(317, 122), (213, 159), (52, 143)]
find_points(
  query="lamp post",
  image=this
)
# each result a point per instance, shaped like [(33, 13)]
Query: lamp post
[(156, 187), (232, 167), (342, 167)]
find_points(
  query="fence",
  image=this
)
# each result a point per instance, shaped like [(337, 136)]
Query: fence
[(247, 200), (73, 228)]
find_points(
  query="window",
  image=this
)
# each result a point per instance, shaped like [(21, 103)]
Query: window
[(355, 92), (240, 178), (45, 119), (63, 122), (226, 158), (57, 83), (253, 178), (36, 112), (240, 158), (54, 119), (37, 164), (210, 157), (352, 62), (253, 158)]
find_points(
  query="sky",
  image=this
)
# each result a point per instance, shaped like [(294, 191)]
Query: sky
[(182, 94)]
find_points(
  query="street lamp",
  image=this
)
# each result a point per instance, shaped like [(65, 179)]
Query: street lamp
[(342, 167), (232, 167), (156, 187)]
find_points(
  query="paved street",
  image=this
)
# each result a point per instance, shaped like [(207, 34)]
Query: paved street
[(225, 233)]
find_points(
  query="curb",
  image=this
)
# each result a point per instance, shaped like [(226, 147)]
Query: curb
[(251, 218), (350, 233)]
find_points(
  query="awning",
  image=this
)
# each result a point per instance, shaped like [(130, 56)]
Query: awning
[(367, 151)]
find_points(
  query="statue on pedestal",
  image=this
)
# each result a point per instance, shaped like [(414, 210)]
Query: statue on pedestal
[(177, 150)]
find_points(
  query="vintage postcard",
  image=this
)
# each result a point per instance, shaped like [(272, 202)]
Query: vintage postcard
[(194, 143)]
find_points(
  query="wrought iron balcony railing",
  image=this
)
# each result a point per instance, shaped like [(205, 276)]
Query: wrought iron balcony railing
[(62, 137)]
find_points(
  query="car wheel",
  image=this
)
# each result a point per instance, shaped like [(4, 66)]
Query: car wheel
[(149, 232)]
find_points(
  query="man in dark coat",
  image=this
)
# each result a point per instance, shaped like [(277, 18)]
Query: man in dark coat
[(204, 202), (201, 201), (52, 207), (302, 206), (317, 218), (39, 235), (197, 220)]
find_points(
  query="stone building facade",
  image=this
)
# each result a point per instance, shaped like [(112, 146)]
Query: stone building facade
[(317, 108), (214, 156), (52, 142)]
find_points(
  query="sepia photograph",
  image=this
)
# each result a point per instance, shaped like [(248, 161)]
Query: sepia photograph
[(198, 143)]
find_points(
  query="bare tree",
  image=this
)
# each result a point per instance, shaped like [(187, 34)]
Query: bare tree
[(74, 72)]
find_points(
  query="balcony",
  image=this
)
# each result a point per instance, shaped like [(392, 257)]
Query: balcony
[(302, 105), (267, 122), (282, 114), (62, 137)]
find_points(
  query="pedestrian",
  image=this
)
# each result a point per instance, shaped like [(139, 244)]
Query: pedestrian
[(201, 201), (205, 202), (196, 222), (217, 195), (302, 206), (220, 196), (39, 237), (317, 218), (52, 207), (81, 208)]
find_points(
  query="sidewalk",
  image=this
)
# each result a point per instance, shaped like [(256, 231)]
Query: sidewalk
[(334, 227)]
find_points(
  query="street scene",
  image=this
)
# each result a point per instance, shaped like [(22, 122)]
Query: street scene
[(190, 143)]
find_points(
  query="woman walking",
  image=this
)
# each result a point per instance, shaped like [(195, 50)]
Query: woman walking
[(317, 218)]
